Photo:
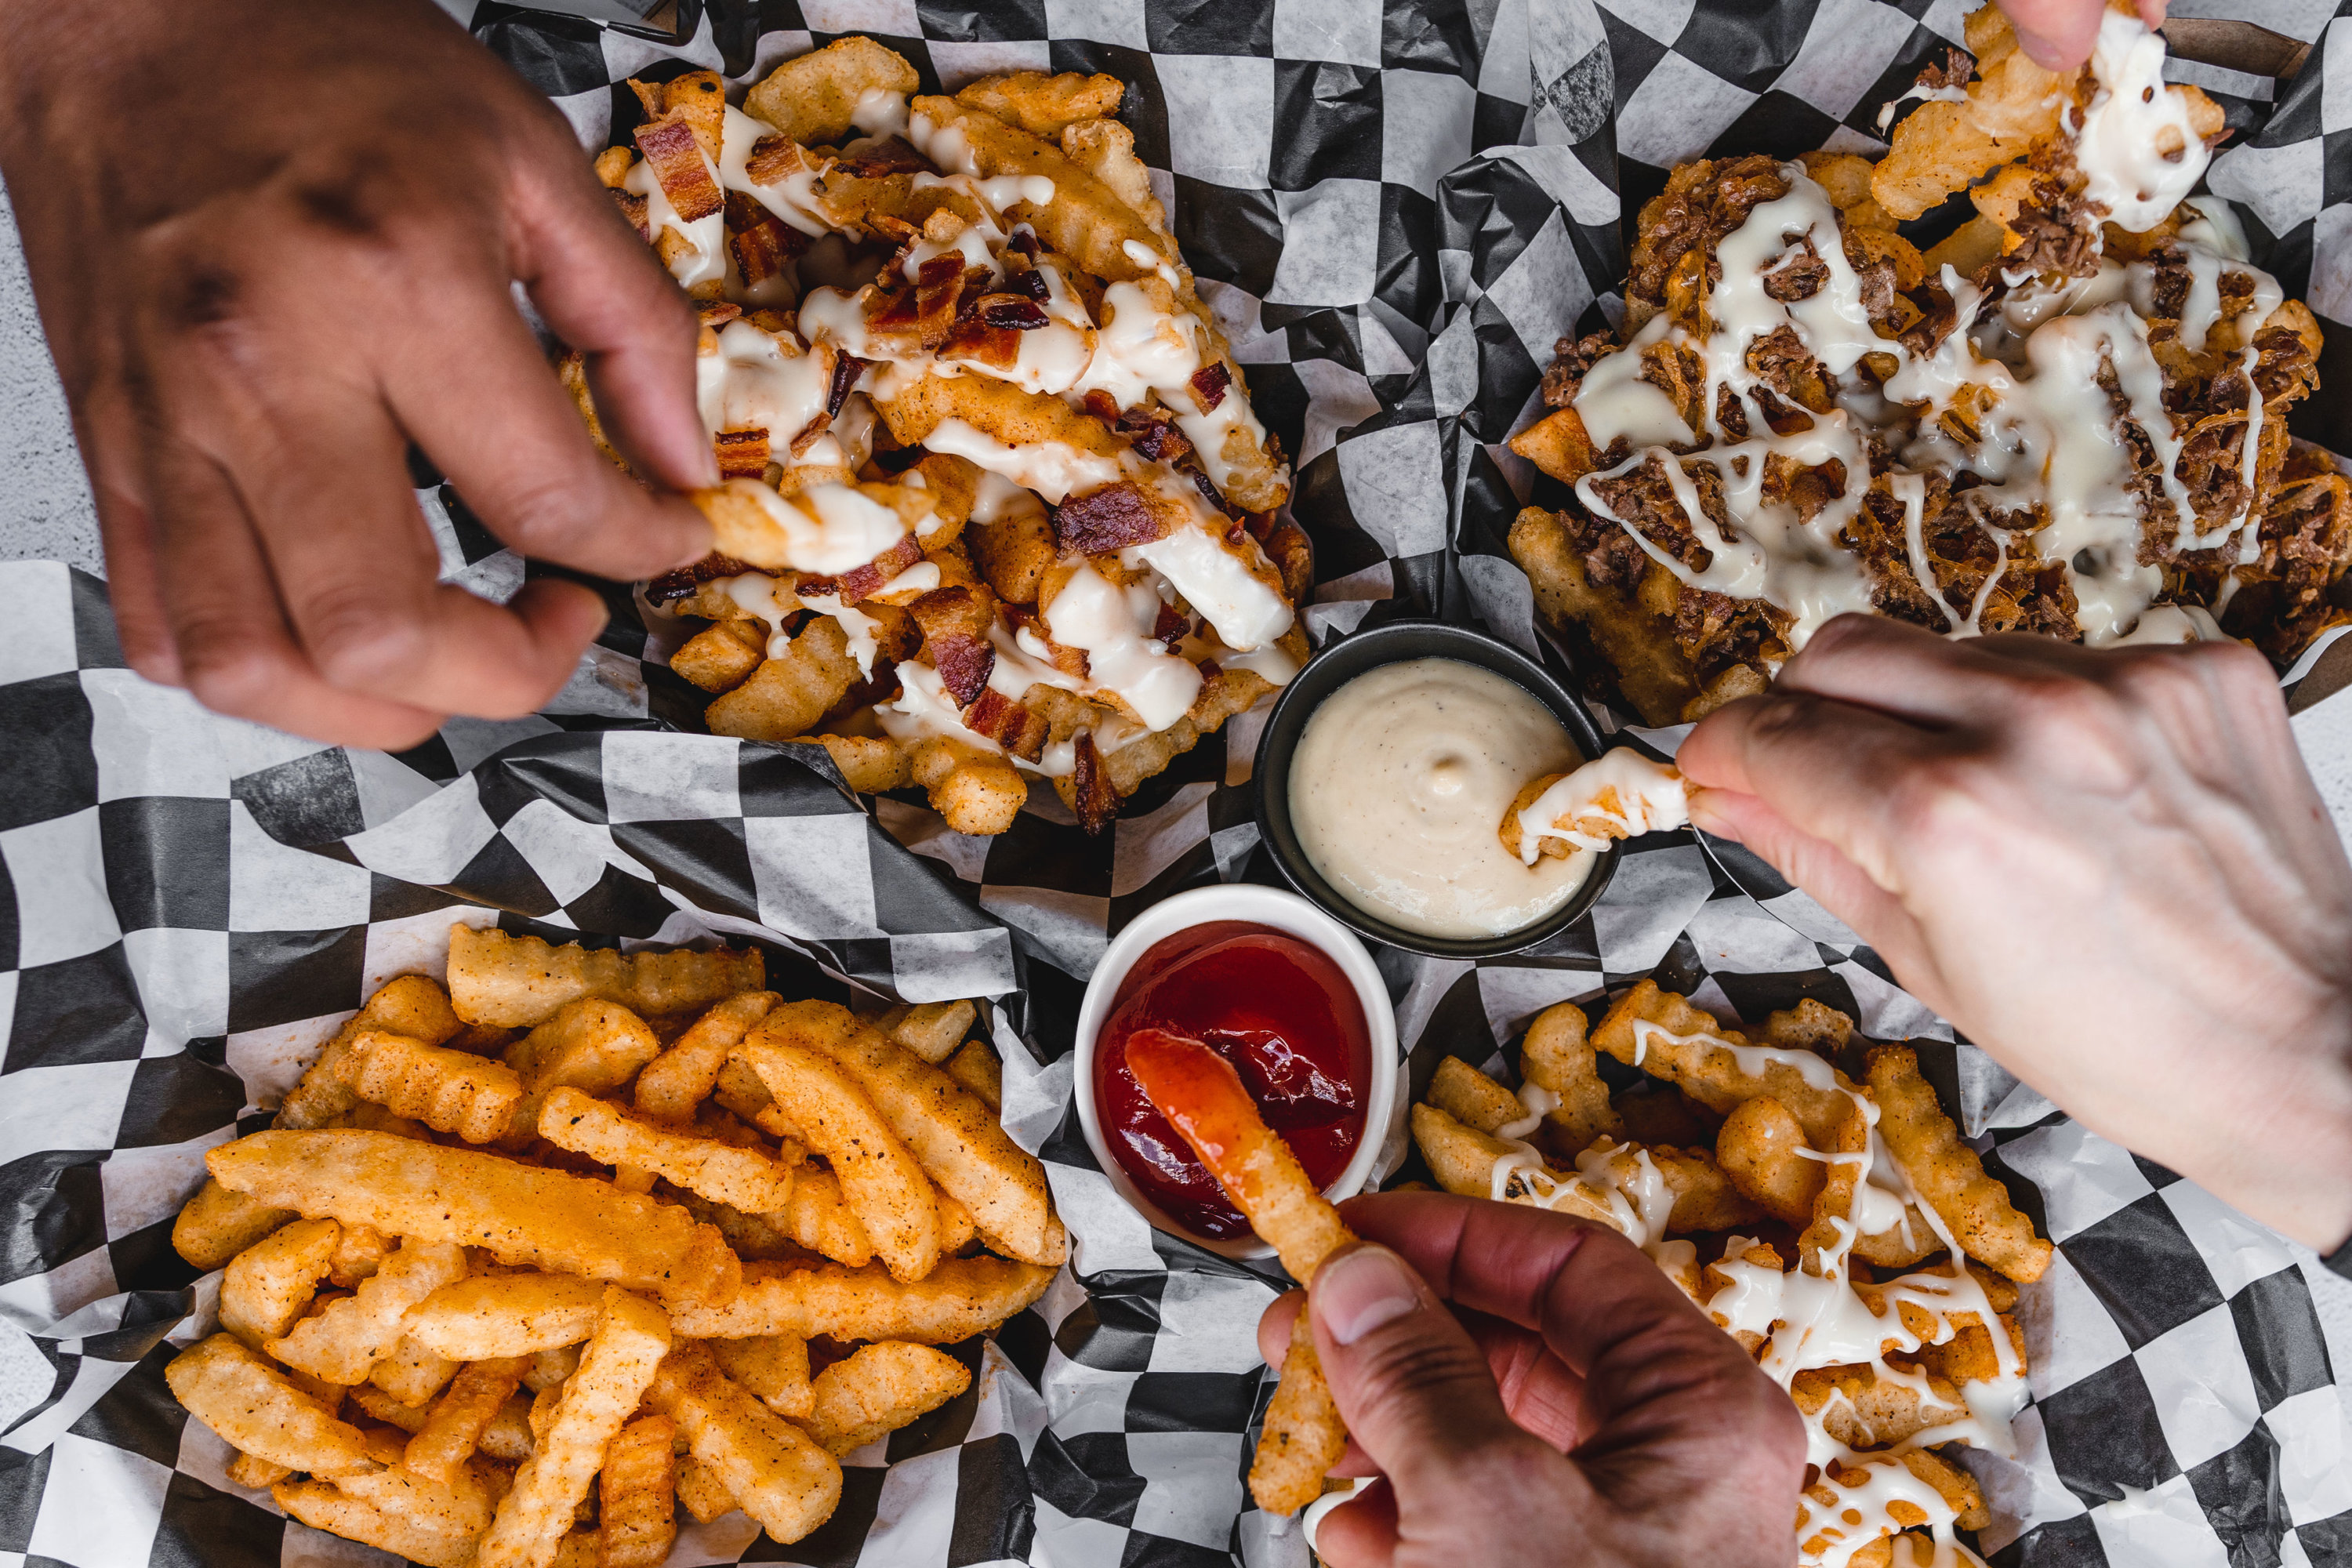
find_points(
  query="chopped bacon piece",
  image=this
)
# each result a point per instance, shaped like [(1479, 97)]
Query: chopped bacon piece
[(1103, 406), (955, 623), (669, 146), (1209, 383), (940, 269), (1029, 281), (925, 309), (1095, 799), (1014, 311), (1112, 518), (1171, 625), (1201, 482), (715, 313), (860, 582), (1009, 724), (891, 155), (846, 369), (771, 158), (681, 582), (633, 208), (743, 454), (810, 432), (1209, 670), (1023, 239), (973, 338), (1286, 545), (760, 243), (1154, 434)]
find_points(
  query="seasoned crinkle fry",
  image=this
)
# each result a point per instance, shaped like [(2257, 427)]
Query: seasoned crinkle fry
[(410, 1005), (790, 692), (436, 1524), (591, 1044), (615, 1370), (682, 1077), (932, 1031), (1303, 1435), (218, 1224), (256, 1408), (519, 1214), (512, 982), (702, 1493), (636, 1514), (341, 1343), (976, 1068), (1041, 104), (885, 1187), (774, 1472), (494, 1315), (461, 1415), (961, 1297), (775, 1367), (746, 1178), (449, 1091), (1947, 1172), (811, 99), (269, 1283), (411, 1374), (1556, 1056), (1668, 1038), (1471, 1097), (878, 1389), (1762, 1150)]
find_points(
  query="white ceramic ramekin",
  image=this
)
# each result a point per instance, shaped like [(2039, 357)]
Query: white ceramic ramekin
[(1277, 909)]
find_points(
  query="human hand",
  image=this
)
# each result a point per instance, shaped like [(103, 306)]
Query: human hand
[(2057, 34), (272, 243), (2109, 869), (1573, 1401)]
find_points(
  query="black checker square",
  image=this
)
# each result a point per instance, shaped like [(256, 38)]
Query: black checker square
[(309, 800), (2144, 1268), (145, 1260), (1331, 116), (203, 1528), (2280, 1333), (1193, 1401), (706, 861), (176, 1098), (48, 769), (1776, 123), (1112, 1331), (1750, 48), (2062, 1543), (998, 22), (166, 859), (1144, 1550), (1207, 27), (621, 904), (76, 1010), (990, 1472), (2240, 1492), (284, 976), (1229, 235), (2103, 1435), (55, 1209), (1086, 1475), (138, 1415)]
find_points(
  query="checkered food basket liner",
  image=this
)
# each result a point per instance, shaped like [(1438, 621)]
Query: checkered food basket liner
[(1395, 210)]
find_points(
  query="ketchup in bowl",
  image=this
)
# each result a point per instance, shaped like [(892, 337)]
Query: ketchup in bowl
[(1286, 1017)]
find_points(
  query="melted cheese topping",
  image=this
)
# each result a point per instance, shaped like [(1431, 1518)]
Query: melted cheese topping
[(1622, 787), (1113, 626), (705, 259)]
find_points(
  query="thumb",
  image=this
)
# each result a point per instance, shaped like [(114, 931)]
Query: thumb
[(2055, 33), (1412, 1384)]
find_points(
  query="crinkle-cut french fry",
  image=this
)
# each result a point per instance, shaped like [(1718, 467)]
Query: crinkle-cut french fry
[(359, 1251), (1947, 1174), (1557, 1056), (591, 1045), (385, 1446), (449, 1091), (454, 1429), (409, 1005), (999, 409), (744, 1178), (979, 1073), (775, 1473), (1762, 1150), (1041, 104), (636, 1514), (1862, 1410), (256, 1408), (1832, 1221), (868, 764), (1105, 149), (549, 1368), (932, 1031), (218, 1224), (878, 1389), (775, 1367), (507, 1439), (615, 1370), (1471, 1097), (492, 1315), (961, 1297), (411, 1373), (811, 99), (705, 1497), (343, 1343), (956, 1140), (819, 1219), (269, 1284), (519, 1214), (377, 1404), (257, 1475), (1303, 1435), (722, 656), (885, 1187), (790, 690), (682, 1077), (977, 792), (740, 1093), (1686, 1047), (517, 981), (1463, 1161), (579, 1547), (411, 1517)]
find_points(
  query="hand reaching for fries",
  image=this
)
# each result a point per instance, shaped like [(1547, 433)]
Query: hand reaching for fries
[(1578, 1396), (2109, 869), (2057, 34), (272, 245)]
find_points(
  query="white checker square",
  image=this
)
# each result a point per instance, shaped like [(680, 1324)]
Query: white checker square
[(1084, 1399), (666, 777), (1845, 47), (2237, 1250), (961, 63), (1396, 484), (1541, 294), (2282, 184), (77, 1106), (269, 1062), (2089, 1343), (1147, 844), (40, 640), (472, 740), (7, 1009), (1680, 107), (724, 1539), (1661, 20), (1650, 899), (1512, 997), (942, 967), (2204, 1395), (915, 1516), (1424, 126), (275, 887), (144, 1185), (182, 980), (2083, 1177), (100, 1505), (415, 944), (2164, 1524), (1739, 936), (431, 842), (58, 871), (1063, 1539), (1105, 1233), (1208, 1324), (151, 739), (1219, 117), (2314, 1435), (1068, 927), (813, 874), (1191, 1484), (1503, 69), (567, 854), (898, 18), (1340, 32), (1117, 22)]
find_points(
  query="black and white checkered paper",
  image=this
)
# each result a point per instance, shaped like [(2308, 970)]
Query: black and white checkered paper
[(1393, 209)]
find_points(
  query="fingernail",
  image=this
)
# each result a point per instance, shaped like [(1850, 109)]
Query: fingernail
[(1706, 818), (2041, 51), (1358, 1291)]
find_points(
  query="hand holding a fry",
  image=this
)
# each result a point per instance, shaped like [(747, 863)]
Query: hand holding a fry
[(2108, 868), (1577, 1398), (2058, 33), (272, 247)]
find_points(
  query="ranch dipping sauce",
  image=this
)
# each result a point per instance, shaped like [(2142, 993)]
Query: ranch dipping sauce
[(1398, 787)]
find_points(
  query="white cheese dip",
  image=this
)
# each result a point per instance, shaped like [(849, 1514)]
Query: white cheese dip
[(1400, 783)]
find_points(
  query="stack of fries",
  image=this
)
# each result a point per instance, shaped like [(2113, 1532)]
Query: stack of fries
[(1835, 1225), (996, 506), (529, 1263), (2066, 418)]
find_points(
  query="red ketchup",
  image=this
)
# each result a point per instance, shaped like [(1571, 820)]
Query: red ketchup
[(1287, 1018)]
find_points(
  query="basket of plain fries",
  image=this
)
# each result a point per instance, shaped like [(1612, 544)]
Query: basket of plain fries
[(653, 1142)]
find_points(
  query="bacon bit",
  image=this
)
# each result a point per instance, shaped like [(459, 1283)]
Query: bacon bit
[(743, 454), (860, 582), (758, 250), (715, 313), (1235, 534), (669, 146), (973, 339), (1014, 311), (681, 582), (1201, 482), (1029, 280), (1009, 724), (1156, 438), (1095, 798), (964, 664), (1172, 627), (1209, 670), (1103, 406), (1112, 518), (939, 269), (1286, 545), (891, 155), (1209, 383), (633, 208), (926, 309), (811, 432), (1023, 239), (955, 623), (773, 158)]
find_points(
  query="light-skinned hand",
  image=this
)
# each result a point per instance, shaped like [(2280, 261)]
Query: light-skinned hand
[(2107, 868), (274, 243), (2058, 34)]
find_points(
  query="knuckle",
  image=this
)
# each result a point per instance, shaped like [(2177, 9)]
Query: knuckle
[(233, 674), (546, 513), (358, 640)]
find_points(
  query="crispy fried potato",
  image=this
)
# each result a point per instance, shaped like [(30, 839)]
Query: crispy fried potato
[(1303, 1435), (411, 1374), (811, 99), (1559, 445), (773, 1471), (257, 1409), (1762, 1150), (961, 1297), (1947, 1174), (878, 1389), (373, 1402), (1004, 412), (1471, 1097), (1014, 551), (745, 1178), (1556, 1056), (1652, 673), (341, 1343), (519, 1213), (704, 1495), (410, 1004), (775, 1367), (1041, 104), (591, 1045), (977, 792), (1105, 149), (682, 1077), (511, 982), (218, 1224), (884, 1184), (616, 1370), (976, 1067), (788, 693), (932, 1031), (435, 1523), (491, 1316), (269, 1283), (449, 1091), (255, 1475), (1085, 220), (636, 1514), (721, 656), (1670, 1040), (453, 1430), (868, 764)]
